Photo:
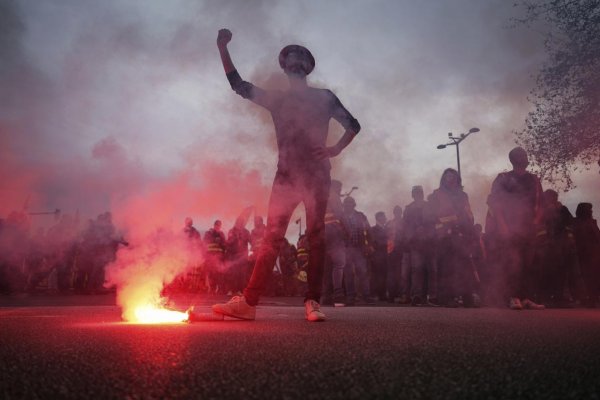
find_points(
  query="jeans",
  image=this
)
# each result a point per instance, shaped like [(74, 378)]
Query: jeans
[(379, 264), (336, 258), (423, 274), (356, 273)]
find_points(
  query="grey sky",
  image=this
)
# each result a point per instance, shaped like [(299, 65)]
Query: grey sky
[(111, 98)]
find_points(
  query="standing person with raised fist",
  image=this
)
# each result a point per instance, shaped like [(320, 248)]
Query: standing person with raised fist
[(301, 116)]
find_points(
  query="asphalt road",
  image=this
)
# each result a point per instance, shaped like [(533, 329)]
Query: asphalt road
[(50, 349)]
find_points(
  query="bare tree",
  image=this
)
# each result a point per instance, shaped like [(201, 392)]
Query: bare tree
[(561, 134)]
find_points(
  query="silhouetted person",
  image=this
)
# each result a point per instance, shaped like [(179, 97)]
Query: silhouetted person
[(379, 258), (238, 239), (398, 274), (196, 277), (336, 236), (419, 233), (356, 270), (557, 278), (257, 237), (60, 245), (289, 267), (454, 234), (214, 240), (514, 211), (14, 245), (587, 240), (98, 248), (301, 117), (190, 230)]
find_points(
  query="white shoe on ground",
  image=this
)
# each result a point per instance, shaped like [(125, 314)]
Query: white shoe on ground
[(236, 308)]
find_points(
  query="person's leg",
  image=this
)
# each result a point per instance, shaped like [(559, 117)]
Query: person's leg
[(432, 277), (284, 199), (362, 274), (393, 275), (349, 275), (405, 273), (379, 275), (444, 259), (315, 202), (327, 290), (417, 279), (338, 262)]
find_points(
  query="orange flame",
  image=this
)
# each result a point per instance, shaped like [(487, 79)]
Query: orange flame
[(150, 314)]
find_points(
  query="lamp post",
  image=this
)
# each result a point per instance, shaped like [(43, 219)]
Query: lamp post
[(455, 141)]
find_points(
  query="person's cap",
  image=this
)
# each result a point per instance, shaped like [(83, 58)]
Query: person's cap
[(301, 50)]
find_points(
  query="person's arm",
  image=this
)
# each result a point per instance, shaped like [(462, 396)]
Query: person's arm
[(245, 89), (495, 203), (343, 116), (223, 38), (336, 149), (242, 88)]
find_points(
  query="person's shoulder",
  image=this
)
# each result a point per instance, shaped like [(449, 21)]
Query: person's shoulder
[(532, 176), (323, 93), (410, 206), (502, 178), (434, 195), (504, 175)]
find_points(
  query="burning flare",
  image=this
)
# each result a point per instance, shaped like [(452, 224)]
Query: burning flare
[(154, 315), (141, 271)]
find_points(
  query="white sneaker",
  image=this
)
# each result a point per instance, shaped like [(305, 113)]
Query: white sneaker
[(236, 308), (515, 304), (313, 311), (530, 305), (196, 316)]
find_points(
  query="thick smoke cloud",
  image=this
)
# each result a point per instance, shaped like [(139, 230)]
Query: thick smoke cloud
[(110, 101)]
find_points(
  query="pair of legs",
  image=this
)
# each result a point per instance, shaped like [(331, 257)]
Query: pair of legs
[(289, 190), (423, 275), (454, 269), (516, 256), (356, 272), (379, 263), (394, 274)]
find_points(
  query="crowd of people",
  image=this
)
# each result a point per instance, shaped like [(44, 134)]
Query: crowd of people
[(533, 253), (65, 258)]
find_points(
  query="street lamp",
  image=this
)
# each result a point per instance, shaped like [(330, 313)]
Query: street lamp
[(455, 141)]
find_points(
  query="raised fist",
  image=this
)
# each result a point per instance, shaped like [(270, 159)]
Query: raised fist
[(224, 37)]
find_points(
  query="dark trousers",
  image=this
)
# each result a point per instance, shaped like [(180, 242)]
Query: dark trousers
[(395, 263), (424, 277), (454, 268), (379, 269), (513, 259), (289, 190)]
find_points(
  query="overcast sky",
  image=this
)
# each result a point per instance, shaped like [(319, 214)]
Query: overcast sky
[(123, 105)]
